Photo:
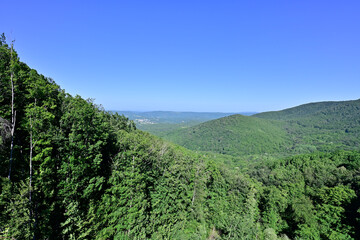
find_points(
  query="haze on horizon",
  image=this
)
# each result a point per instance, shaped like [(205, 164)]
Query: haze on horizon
[(203, 56)]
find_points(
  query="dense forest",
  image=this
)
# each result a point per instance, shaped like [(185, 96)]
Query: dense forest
[(71, 170)]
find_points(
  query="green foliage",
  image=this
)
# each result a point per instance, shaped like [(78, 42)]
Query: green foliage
[(311, 196), (20, 224), (331, 209)]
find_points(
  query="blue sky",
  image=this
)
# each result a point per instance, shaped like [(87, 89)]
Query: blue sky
[(227, 56)]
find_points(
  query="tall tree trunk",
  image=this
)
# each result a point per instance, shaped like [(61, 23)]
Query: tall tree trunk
[(194, 192), (30, 162), (30, 173), (13, 112)]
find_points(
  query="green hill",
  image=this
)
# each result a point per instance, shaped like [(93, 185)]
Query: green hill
[(339, 111), (323, 126), (234, 135)]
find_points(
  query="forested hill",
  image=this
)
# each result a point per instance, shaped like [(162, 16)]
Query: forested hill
[(324, 126), (234, 135)]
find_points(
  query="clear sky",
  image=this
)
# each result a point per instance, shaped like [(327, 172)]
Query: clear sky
[(227, 56)]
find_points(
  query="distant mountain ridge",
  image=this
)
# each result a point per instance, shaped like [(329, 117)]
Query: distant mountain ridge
[(161, 122), (323, 126), (174, 116), (311, 109)]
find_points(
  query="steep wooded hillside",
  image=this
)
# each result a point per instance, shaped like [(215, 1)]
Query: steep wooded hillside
[(323, 126), (340, 111)]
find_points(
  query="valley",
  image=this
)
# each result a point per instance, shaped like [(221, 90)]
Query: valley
[(161, 122)]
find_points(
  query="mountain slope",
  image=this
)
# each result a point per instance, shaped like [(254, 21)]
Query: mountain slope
[(236, 134), (342, 110), (323, 126)]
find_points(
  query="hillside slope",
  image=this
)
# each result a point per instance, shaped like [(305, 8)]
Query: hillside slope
[(341, 110), (323, 126), (236, 134)]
